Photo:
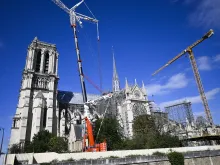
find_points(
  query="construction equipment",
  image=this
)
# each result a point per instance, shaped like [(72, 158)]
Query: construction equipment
[(74, 19), (90, 146), (195, 71)]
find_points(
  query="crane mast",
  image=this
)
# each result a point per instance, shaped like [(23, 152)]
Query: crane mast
[(74, 19), (200, 86), (195, 71)]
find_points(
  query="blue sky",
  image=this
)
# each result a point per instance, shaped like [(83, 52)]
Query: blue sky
[(145, 35)]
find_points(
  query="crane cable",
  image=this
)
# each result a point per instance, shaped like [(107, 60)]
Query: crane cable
[(91, 82), (98, 46), (99, 59), (89, 9), (102, 120)]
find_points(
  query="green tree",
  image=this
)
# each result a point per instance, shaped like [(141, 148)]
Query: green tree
[(176, 158), (44, 141), (58, 144), (40, 142), (145, 132), (110, 131), (147, 135), (165, 140), (15, 149)]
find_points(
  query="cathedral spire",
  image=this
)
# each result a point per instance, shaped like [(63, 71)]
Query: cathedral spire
[(126, 86), (115, 79), (144, 89), (135, 81), (126, 82)]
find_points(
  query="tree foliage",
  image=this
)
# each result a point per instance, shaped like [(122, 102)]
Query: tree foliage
[(147, 135), (58, 144), (44, 141), (110, 131), (15, 149), (176, 158)]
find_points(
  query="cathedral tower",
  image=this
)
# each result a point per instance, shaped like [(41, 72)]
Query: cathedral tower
[(115, 79), (36, 109)]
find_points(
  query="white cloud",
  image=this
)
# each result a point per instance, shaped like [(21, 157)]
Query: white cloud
[(207, 63), (175, 82), (195, 99), (204, 63), (217, 58), (206, 14)]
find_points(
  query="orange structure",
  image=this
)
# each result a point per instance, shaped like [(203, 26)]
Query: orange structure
[(92, 147)]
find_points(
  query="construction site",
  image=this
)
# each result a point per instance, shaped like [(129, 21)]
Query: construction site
[(71, 115)]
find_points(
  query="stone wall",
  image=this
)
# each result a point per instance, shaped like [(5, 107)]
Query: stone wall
[(126, 156), (191, 158)]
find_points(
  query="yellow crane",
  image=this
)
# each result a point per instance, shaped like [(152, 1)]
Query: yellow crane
[(195, 71)]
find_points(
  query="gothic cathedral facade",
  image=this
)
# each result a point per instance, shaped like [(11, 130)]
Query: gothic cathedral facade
[(37, 105), (42, 107)]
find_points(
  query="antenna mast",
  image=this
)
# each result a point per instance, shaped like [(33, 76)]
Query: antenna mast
[(74, 19)]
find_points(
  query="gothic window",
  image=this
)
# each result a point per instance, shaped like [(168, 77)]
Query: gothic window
[(137, 94), (138, 109), (46, 62), (38, 61), (15, 123), (45, 117)]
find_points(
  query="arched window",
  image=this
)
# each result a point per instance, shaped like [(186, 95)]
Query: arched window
[(46, 62), (38, 61)]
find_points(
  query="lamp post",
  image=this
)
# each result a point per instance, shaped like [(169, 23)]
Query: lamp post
[(2, 129)]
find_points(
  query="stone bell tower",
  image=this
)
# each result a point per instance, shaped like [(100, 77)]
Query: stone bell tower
[(37, 105)]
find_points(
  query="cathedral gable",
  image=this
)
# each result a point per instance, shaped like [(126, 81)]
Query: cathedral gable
[(136, 92)]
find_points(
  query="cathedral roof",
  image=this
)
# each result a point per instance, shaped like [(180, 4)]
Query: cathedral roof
[(74, 98)]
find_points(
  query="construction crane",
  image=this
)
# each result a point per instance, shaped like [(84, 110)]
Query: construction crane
[(195, 71), (90, 145), (74, 19)]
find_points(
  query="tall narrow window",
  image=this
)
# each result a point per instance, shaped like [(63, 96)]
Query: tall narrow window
[(38, 61), (46, 62), (45, 118), (14, 123)]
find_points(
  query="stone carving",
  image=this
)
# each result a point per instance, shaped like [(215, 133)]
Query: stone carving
[(41, 82), (51, 52), (138, 109), (43, 50)]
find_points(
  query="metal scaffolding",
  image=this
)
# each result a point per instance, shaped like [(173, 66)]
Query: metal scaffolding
[(180, 112)]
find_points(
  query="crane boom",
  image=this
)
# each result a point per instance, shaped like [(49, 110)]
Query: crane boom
[(195, 71), (62, 6), (207, 35), (84, 17)]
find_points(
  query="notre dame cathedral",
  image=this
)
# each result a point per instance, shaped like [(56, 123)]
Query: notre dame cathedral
[(41, 106)]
